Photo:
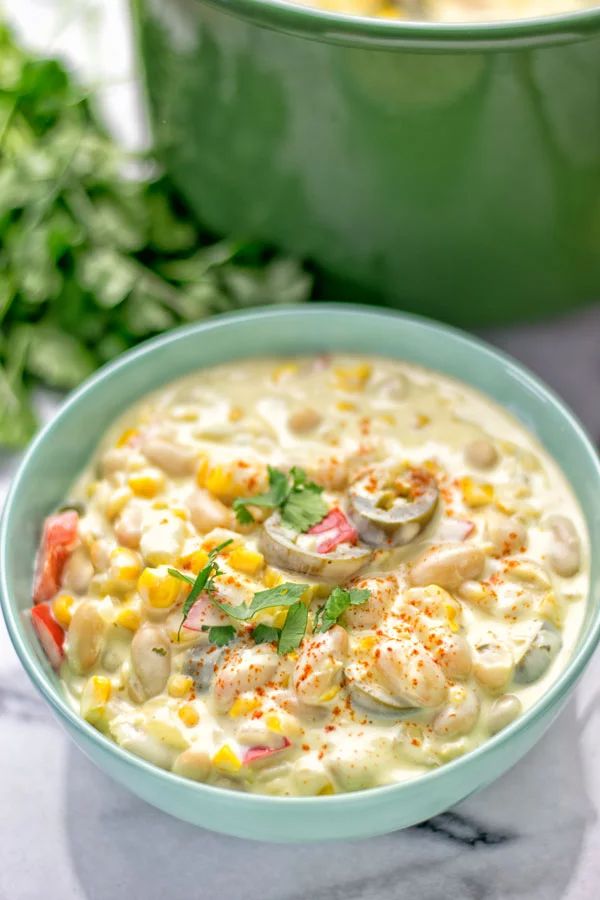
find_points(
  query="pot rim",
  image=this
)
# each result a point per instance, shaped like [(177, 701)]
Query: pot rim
[(367, 32)]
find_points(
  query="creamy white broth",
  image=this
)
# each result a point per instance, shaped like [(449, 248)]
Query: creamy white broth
[(159, 494), (450, 10)]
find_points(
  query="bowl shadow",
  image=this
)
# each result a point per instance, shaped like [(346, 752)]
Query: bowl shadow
[(520, 838)]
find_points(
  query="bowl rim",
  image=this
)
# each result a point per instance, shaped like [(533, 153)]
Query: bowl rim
[(285, 15), (34, 669)]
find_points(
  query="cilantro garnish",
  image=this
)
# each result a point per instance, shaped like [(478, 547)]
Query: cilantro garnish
[(298, 500), (220, 634), (285, 594), (293, 629), (265, 634), (336, 604), (204, 581), (160, 651)]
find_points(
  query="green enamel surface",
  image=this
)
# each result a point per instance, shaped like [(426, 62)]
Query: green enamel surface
[(449, 170)]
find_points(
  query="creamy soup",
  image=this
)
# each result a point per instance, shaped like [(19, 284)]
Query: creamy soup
[(450, 10), (309, 576)]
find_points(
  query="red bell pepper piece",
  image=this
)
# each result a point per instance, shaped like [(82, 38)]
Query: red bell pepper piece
[(59, 538), (255, 753), (338, 529), (51, 636)]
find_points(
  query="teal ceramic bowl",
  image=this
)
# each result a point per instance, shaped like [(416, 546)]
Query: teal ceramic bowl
[(65, 445), (453, 170)]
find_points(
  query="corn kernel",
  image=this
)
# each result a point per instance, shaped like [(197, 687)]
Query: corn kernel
[(91, 488), (226, 760), (126, 436), (94, 698), (346, 406), (284, 371), (146, 483), (195, 561), (250, 562), (159, 588), (283, 723), (188, 715), (330, 694), (235, 414), (202, 470), (422, 420), (367, 643), (220, 483), (125, 565), (476, 494), (128, 618), (452, 615), (271, 578), (326, 790), (388, 418), (179, 685), (61, 607), (243, 705), (117, 502), (353, 378)]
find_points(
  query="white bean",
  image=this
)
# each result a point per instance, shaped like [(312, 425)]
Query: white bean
[(303, 420), (504, 710), (207, 512), (507, 534), (174, 459), (194, 764), (453, 654), (151, 658), (493, 665), (384, 589), (86, 638), (245, 670), (161, 543), (447, 565), (565, 555), (319, 669), (481, 454), (459, 716), (128, 527), (78, 571), (410, 673)]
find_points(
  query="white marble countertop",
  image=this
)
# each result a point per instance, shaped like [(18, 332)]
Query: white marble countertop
[(67, 832)]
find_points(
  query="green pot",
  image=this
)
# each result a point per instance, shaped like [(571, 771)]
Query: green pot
[(452, 170)]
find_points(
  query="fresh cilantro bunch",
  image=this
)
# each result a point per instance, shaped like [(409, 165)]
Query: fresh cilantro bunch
[(298, 500), (92, 262)]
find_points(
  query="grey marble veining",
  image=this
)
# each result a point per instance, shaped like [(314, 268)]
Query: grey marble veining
[(67, 832)]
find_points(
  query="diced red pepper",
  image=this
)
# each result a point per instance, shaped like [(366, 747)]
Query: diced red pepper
[(58, 540), (339, 531), (51, 636), (204, 613), (255, 753)]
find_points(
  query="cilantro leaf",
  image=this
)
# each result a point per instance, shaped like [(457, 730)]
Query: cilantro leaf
[(274, 497), (303, 509), (220, 635), (265, 634), (202, 582), (285, 594), (293, 629), (298, 499), (336, 605)]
